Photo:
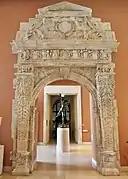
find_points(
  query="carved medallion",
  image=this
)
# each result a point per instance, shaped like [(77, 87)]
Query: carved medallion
[(64, 27)]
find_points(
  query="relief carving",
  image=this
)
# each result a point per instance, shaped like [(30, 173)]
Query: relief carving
[(105, 91), (33, 30), (106, 82), (104, 54), (64, 72), (25, 55), (25, 69), (66, 54), (87, 72), (65, 28), (23, 91), (53, 25), (64, 41), (43, 72)]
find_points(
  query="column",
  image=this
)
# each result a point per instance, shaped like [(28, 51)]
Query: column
[(23, 93), (105, 96)]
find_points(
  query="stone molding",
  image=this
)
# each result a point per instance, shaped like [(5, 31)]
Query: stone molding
[(64, 41)]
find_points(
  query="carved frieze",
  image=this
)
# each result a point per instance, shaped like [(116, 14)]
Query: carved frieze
[(105, 69), (66, 54), (24, 69)]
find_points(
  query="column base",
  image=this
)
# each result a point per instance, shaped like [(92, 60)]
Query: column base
[(33, 166), (20, 172), (110, 172), (108, 165)]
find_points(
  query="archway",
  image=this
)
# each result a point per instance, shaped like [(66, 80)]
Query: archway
[(64, 42)]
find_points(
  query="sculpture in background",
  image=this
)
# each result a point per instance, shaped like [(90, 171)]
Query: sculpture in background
[(62, 112), (62, 119)]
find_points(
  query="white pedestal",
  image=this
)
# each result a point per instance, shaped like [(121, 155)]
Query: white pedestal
[(1, 158), (63, 142)]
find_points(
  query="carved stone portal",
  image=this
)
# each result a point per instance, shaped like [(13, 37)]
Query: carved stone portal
[(64, 41)]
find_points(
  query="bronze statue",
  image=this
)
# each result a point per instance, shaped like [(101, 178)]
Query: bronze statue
[(61, 112), (61, 120)]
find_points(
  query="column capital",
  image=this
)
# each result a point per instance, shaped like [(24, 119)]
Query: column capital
[(105, 69)]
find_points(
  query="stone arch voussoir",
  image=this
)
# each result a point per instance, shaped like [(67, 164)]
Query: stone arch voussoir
[(54, 77)]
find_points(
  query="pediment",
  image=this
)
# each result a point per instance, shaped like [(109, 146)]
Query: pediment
[(64, 26), (66, 6)]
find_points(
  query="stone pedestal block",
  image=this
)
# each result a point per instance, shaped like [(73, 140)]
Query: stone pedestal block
[(63, 141)]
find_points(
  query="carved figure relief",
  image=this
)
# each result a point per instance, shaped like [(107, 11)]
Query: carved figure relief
[(87, 72), (67, 54), (64, 41)]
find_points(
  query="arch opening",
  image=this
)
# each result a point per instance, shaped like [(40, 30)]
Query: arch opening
[(72, 90)]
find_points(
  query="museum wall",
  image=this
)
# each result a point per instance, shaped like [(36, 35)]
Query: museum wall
[(86, 137), (13, 12)]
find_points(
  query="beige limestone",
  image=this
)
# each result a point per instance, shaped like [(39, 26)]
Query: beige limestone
[(63, 141), (1, 158), (64, 41)]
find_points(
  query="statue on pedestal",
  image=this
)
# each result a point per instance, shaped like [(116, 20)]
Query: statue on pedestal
[(61, 120), (63, 108)]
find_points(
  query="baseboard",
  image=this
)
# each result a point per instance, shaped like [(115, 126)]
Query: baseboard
[(94, 163), (124, 168), (86, 143), (7, 169)]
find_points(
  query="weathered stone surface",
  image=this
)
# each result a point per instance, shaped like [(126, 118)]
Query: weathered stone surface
[(1, 158), (64, 41)]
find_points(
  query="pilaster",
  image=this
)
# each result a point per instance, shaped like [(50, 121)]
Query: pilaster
[(105, 95), (24, 86)]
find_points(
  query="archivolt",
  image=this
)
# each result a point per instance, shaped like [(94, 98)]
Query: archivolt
[(54, 77)]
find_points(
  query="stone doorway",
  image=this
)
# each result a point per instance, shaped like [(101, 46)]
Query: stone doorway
[(64, 41)]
